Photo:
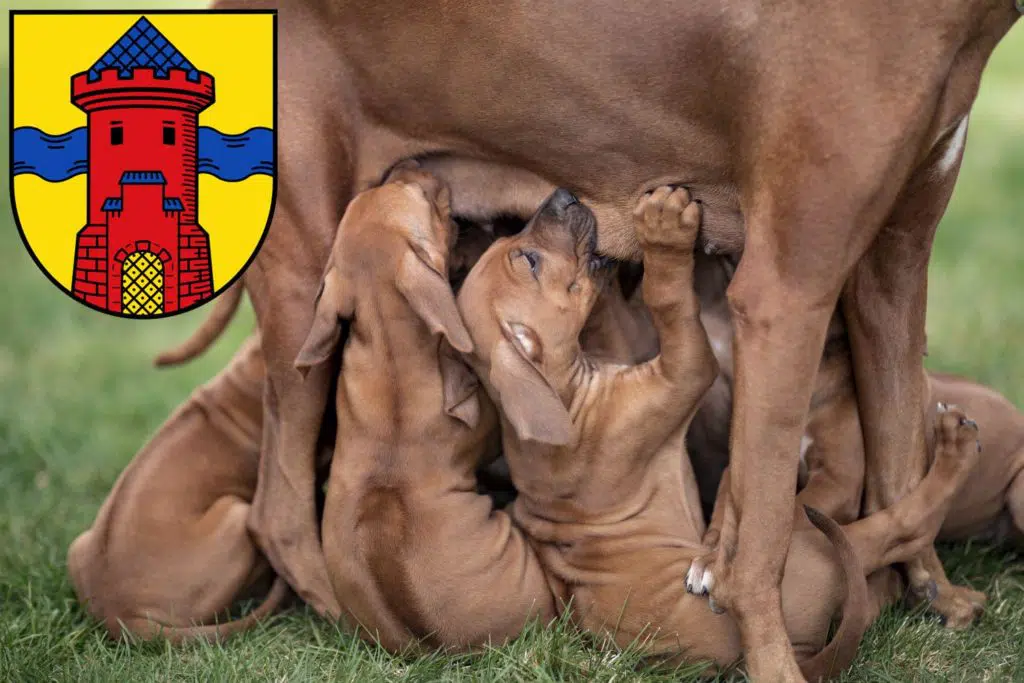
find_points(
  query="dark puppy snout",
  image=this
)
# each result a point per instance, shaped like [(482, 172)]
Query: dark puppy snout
[(560, 200)]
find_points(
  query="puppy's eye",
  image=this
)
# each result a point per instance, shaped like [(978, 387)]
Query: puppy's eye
[(530, 258), (533, 259)]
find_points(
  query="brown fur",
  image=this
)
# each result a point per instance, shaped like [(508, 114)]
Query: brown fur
[(827, 168), (169, 553), (989, 504), (596, 452), (413, 552)]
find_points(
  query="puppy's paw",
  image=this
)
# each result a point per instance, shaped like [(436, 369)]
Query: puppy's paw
[(700, 579), (667, 218), (958, 607), (957, 442)]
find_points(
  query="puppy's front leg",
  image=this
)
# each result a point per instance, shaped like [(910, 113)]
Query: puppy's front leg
[(666, 223)]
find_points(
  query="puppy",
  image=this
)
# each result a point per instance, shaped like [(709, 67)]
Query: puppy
[(595, 448), (414, 553), (169, 552)]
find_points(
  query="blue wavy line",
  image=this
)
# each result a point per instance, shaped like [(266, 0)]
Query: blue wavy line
[(236, 157), (59, 157), (51, 157)]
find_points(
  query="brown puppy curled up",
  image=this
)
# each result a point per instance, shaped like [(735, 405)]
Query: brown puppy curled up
[(169, 552), (414, 553), (596, 449)]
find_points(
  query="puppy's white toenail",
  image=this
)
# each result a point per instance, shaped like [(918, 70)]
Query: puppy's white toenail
[(707, 583), (692, 578), (941, 407)]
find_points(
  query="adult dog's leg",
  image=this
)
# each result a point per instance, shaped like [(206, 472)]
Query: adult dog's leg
[(315, 178), (804, 235), (885, 303), (780, 322)]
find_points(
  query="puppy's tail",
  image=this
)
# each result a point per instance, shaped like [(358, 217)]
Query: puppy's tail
[(177, 635), (839, 654), (224, 309)]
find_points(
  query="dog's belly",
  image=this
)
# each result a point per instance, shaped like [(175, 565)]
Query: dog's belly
[(610, 117), (482, 189)]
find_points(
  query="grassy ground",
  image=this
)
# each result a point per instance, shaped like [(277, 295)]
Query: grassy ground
[(78, 397)]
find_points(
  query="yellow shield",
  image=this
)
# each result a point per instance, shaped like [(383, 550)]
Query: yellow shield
[(143, 152)]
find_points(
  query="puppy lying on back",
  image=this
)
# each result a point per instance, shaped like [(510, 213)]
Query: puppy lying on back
[(169, 551), (596, 449), (413, 552)]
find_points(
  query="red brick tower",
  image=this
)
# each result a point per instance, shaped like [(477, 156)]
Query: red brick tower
[(142, 251)]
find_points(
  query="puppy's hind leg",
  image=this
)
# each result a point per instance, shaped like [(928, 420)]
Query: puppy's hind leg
[(900, 532), (225, 563)]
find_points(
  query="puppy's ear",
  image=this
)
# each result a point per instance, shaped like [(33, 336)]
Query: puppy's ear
[(529, 402), (426, 288), (333, 303), (460, 387)]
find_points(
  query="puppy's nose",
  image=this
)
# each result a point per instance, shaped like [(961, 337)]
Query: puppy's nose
[(562, 199)]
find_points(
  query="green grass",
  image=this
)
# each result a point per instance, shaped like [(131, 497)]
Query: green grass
[(78, 397)]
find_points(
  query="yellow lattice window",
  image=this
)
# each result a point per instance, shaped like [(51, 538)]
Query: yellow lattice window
[(142, 284)]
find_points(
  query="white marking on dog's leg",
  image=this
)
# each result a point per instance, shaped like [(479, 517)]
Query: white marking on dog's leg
[(954, 146)]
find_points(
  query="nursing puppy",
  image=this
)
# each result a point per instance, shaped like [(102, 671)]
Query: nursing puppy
[(169, 552), (596, 450), (414, 553)]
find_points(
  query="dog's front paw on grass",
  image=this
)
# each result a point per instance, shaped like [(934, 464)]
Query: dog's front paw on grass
[(667, 218)]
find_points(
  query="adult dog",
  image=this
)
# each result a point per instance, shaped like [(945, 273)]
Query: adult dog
[(827, 136)]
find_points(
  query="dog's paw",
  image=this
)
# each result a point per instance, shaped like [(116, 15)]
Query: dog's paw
[(957, 442), (957, 607), (667, 218), (700, 579)]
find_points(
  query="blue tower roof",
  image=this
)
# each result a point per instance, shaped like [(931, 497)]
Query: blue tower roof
[(143, 45)]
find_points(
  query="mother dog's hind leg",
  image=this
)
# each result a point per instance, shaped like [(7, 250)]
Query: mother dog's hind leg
[(885, 303)]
